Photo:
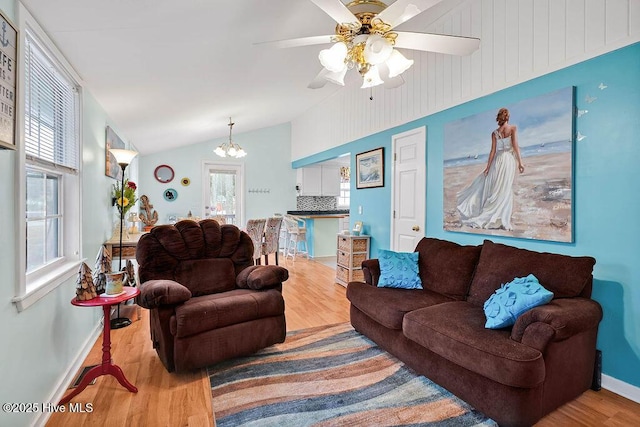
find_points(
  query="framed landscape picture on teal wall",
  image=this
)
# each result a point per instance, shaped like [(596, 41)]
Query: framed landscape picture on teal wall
[(370, 169)]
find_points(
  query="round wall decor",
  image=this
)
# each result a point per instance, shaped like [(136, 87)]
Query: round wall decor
[(185, 181), (164, 173), (170, 195)]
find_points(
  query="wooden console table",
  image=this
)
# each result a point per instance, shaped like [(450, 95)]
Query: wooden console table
[(128, 246)]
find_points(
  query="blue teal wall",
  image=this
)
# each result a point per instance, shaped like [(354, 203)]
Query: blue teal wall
[(606, 190)]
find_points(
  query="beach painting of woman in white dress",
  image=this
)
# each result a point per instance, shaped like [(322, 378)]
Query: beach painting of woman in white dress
[(508, 171)]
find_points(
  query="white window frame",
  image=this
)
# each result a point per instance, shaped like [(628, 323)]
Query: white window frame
[(33, 286)]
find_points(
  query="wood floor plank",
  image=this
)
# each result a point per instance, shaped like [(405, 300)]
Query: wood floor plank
[(312, 298)]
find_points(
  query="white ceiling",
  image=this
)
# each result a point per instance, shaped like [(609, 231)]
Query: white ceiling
[(171, 72)]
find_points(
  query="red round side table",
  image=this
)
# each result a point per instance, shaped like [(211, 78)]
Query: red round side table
[(106, 367)]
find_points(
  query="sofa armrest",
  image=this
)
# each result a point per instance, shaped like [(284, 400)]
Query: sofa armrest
[(154, 293), (371, 271), (262, 277), (560, 319)]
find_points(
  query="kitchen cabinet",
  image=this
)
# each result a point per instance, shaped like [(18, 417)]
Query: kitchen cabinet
[(352, 250), (331, 181), (319, 181)]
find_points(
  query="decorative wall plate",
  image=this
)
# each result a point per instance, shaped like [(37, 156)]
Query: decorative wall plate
[(185, 181), (170, 195)]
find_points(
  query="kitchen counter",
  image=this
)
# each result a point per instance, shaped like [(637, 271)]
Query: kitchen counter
[(322, 227)]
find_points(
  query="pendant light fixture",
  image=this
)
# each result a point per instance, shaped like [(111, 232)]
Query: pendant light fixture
[(230, 149)]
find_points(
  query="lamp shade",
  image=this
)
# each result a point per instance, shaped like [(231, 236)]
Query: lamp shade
[(377, 49), (371, 78), (123, 157), (220, 151), (333, 59), (398, 64)]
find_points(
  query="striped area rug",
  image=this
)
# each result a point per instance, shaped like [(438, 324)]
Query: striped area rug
[(330, 376)]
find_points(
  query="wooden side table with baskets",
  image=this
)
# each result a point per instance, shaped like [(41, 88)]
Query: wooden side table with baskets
[(352, 250)]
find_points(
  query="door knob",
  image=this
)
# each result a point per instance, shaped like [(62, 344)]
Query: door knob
[(416, 228)]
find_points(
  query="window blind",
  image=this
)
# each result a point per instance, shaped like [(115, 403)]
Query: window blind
[(51, 120)]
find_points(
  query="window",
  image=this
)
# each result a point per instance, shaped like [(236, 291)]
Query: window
[(43, 218), (223, 192), (50, 167)]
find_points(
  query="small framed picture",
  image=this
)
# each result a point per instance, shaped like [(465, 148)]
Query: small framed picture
[(357, 228), (370, 169)]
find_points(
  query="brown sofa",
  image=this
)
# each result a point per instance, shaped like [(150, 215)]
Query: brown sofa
[(514, 375), (207, 300)]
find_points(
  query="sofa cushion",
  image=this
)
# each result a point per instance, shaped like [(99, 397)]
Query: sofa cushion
[(564, 275), (512, 299), (398, 270), (447, 267), (206, 276), (388, 306), (202, 314), (455, 331)]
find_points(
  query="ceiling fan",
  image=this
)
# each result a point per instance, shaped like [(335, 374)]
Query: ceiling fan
[(364, 40)]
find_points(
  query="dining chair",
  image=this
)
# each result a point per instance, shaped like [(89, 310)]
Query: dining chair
[(255, 230), (271, 238)]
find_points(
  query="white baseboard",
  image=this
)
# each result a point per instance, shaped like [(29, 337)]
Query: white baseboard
[(620, 387), (63, 384)]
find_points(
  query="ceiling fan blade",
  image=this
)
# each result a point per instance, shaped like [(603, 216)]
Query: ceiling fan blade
[(319, 81), (338, 11), (302, 41), (451, 45), (403, 10)]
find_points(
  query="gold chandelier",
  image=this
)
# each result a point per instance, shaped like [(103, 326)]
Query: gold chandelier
[(367, 46), (230, 149)]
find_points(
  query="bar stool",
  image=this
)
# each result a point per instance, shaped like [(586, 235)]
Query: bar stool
[(297, 236)]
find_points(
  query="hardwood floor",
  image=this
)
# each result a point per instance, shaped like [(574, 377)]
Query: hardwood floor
[(312, 299)]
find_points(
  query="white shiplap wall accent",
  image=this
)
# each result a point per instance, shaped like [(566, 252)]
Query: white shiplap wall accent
[(520, 40)]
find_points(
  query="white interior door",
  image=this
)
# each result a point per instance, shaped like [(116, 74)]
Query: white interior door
[(408, 189)]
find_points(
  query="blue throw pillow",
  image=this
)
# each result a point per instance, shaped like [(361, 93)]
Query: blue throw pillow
[(512, 299), (398, 270)]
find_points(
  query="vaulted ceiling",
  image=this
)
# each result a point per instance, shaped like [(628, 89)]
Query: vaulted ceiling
[(171, 72)]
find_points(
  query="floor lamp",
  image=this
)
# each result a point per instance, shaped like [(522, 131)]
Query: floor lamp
[(124, 158)]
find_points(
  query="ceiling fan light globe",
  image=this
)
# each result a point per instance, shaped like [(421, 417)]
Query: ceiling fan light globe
[(398, 64), (371, 78), (336, 77), (377, 49), (333, 59)]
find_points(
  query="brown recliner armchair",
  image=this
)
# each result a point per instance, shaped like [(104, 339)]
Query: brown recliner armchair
[(207, 300)]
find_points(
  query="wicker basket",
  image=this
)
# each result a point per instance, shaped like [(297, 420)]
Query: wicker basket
[(359, 245)]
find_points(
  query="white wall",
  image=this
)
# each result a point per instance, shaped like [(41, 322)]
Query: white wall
[(267, 166), (520, 40)]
